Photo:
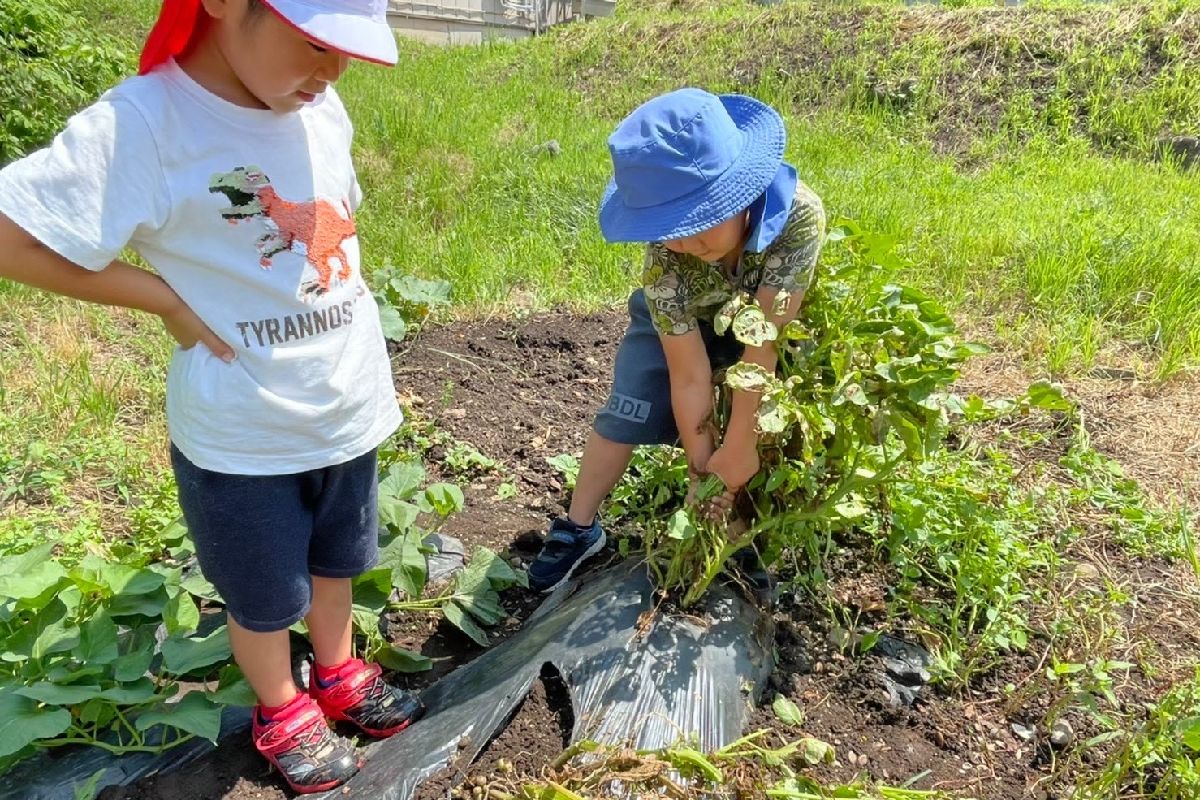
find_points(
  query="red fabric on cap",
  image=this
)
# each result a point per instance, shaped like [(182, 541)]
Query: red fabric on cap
[(171, 34)]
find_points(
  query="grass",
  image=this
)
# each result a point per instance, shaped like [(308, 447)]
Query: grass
[(1052, 222), (1009, 150)]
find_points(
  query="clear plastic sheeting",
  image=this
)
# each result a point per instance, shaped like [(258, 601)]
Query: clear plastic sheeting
[(636, 676)]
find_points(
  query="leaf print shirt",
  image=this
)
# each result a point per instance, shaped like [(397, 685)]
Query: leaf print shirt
[(787, 231)]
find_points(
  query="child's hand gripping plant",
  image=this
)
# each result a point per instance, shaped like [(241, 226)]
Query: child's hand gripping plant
[(861, 387)]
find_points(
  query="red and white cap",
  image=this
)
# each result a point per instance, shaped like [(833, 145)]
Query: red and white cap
[(356, 28)]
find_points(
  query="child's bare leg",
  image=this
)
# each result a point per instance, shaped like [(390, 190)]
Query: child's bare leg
[(266, 661), (329, 626), (604, 462)]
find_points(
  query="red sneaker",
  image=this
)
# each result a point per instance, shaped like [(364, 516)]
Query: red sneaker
[(299, 743), (356, 693)]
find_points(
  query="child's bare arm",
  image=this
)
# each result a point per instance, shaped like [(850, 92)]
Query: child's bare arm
[(691, 395), (26, 260)]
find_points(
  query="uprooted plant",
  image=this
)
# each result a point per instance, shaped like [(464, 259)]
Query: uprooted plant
[(861, 388)]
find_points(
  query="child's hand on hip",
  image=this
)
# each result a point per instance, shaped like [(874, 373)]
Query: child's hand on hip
[(188, 329)]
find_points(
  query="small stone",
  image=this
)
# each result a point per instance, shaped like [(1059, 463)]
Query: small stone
[(1023, 732), (1185, 150), (840, 638), (1061, 734), (455, 413)]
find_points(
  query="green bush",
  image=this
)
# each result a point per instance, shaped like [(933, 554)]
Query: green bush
[(51, 65)]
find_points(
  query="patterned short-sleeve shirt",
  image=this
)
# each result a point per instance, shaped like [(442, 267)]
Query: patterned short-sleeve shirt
[(681, 290)]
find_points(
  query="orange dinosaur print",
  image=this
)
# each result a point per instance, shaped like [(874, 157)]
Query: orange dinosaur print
[(315, 227)]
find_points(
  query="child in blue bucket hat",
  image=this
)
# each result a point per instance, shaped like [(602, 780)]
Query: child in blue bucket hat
[(701, 179)]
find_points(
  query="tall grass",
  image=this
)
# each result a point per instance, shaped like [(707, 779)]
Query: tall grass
[(1053, 226)]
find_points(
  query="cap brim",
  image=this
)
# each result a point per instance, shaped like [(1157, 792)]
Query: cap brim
[(350, 34), (733, 191)]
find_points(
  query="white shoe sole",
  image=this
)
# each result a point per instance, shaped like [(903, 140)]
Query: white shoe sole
[(596, 547)]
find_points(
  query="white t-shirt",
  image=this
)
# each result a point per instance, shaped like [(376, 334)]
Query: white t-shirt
[(247, 215)]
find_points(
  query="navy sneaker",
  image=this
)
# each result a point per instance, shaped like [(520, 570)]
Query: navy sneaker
[(567, 546)]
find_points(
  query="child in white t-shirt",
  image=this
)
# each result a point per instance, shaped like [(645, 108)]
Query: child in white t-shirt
[(226, 165)]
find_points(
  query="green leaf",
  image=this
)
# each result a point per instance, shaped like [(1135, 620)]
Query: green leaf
[(198, 586), (787, 711), (1189, 732), (398, 659), (366, 620), (486, 570), (851, 508), (420, 292), (680, 527), (139, 604), (444, 498), (117, 579), (403, 557), (30, 575), (1048, 397), (134, 664), (397, 515), (463, 621), (181, 614), (195, 713), (97, 640), (131, 694), (483, 604), (55, 695), (233, 689), (22, 723), (724, 317), (47, 632), (393, 324), (181, 656), (853, 393), (402, 480)]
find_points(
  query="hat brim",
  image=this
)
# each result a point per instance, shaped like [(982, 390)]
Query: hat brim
[(732, 191), (350, 34)]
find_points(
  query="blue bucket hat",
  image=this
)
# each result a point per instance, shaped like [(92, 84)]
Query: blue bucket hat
[(686, 161)]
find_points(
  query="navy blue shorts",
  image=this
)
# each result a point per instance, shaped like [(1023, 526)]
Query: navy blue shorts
[(260, 538), (639, 409)]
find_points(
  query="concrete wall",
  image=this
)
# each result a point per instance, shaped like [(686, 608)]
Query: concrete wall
[(475, 21)]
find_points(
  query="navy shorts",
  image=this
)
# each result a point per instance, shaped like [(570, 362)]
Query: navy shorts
[(260, 538), (638, 410)]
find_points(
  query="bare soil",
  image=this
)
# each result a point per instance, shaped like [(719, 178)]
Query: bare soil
[(521, 391)]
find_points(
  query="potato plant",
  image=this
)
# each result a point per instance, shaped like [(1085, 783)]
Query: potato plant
[(862, 386)]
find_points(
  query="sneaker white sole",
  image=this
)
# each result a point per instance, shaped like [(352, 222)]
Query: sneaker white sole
[(596, 547)]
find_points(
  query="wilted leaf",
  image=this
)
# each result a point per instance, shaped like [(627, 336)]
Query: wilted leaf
[(748, 377), (815, 752), (787, 711), (752, 328)]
